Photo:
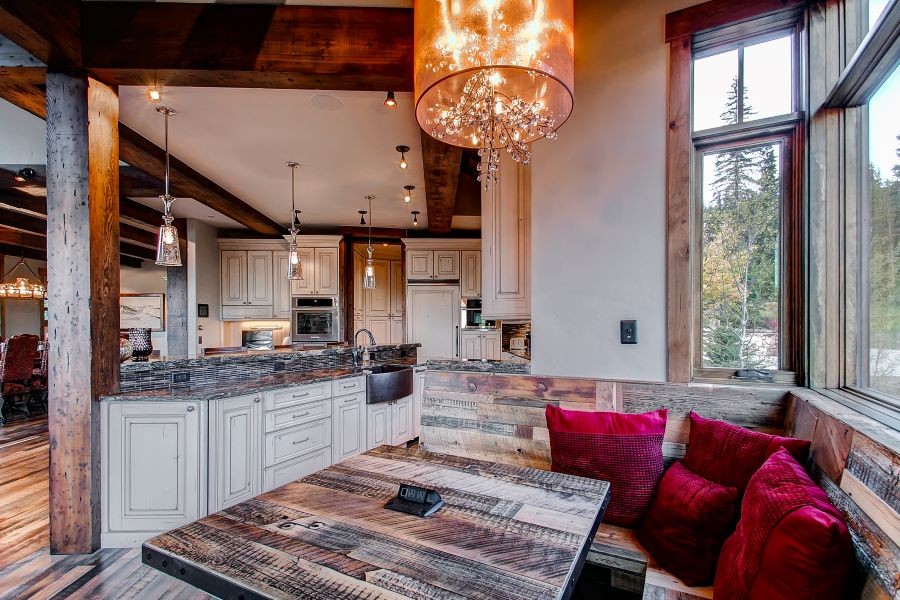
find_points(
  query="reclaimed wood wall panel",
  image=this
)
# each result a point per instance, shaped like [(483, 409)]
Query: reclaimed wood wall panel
[(501, 417), (861, 477)]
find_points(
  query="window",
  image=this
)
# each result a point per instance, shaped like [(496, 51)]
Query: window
[(879, 350), (745, 120)]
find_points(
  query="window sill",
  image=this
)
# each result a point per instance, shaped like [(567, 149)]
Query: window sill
[(847, 408)]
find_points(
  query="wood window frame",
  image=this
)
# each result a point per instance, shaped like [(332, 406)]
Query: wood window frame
[(681, 301)]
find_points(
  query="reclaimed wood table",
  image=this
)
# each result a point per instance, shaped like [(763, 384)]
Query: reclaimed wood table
[(504, 532)]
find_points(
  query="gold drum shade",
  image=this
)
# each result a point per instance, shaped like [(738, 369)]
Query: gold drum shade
[(520, 50)]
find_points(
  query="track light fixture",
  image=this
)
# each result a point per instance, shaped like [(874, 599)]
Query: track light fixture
[(154, 94), (390, 101), (415, 215), (362, 216), (407, 197)]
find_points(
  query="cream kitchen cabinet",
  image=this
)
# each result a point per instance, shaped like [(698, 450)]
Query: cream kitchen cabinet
[(384, 305), (417, 400), (247, 284), (432, 320), (470, 274), (478, 344), (433, 265), (235, 443), (506, 243), (321, 273), (153, 468), (389, 423), (378, 299), (380, 328), (282, 285), (349, 435)]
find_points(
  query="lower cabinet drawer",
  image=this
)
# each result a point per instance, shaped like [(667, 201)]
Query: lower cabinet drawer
[(296, 441), (247, 312), (293, 470), (351, 385), (301, 394), (297, 415)]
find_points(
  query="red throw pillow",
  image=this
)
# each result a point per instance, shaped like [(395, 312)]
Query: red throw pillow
[(729, 455), (689, 519), (623, 449), (790, 543)]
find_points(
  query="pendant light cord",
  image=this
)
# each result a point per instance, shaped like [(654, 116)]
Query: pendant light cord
[(370, 221), (166, 114)]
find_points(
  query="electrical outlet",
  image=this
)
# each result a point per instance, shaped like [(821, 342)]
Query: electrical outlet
[(278, 366), (183, 377), (628, 331)]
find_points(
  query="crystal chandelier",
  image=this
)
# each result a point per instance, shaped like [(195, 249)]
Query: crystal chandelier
[(22, 287), (295, 267), (494, 74), (168, 254), (369, 276)]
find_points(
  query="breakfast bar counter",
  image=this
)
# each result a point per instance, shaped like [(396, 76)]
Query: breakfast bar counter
[(504, 532)]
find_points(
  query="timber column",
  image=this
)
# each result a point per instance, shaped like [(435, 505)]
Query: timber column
[(82, 297)]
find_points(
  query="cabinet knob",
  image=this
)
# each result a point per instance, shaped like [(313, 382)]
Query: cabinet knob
[(190, 409), (256, 399)]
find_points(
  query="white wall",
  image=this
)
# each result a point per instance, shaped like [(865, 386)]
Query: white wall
[(598, 231), (23, 137), (21, 316), (203, 286), (149, 279)]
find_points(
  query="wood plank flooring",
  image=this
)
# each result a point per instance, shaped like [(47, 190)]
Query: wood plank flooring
[(26, 568)]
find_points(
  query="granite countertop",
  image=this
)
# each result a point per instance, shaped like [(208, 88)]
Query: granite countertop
[(480, 366)]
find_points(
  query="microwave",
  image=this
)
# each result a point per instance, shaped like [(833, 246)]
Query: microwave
[(315, 319)]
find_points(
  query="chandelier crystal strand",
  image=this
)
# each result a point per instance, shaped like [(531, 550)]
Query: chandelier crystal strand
[(295, 265), (22, 288), (494, 75), (168, 253), (369, 278)]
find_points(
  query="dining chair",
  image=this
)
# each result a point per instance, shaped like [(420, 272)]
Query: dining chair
[(39, 378), (16, 369)]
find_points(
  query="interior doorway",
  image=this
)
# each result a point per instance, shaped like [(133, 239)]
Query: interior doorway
[(382, 309)]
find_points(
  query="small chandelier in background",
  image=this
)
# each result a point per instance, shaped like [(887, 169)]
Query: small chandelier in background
[(369, 278), (168, 253), (403, 150), (295, 267), (494, 74), (407, 197), (415, 215), (22, 287)]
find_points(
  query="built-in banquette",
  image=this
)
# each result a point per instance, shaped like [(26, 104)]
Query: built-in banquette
[(502, 418)]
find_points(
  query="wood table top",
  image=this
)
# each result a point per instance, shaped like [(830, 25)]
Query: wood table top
[(504, 532)]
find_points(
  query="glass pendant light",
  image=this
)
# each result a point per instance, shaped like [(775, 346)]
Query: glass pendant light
[(168, 253), (403, 150), (407, 196), (369, 279), (295, 267), (415, 215)]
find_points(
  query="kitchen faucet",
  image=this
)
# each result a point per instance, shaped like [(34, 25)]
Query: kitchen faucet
[(366, 350)]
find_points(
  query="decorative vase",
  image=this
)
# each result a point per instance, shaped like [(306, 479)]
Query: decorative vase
[(141, 344), (125, 349)]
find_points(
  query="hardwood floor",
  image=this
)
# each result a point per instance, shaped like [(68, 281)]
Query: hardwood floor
[(26, 568), (24, 489)]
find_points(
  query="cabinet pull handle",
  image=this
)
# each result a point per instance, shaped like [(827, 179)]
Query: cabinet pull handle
[(190, 409), (303, 395), (300, 416), (295, 442)]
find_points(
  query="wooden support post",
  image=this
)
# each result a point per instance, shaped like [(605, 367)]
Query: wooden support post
[(177, 300), (83, 297)]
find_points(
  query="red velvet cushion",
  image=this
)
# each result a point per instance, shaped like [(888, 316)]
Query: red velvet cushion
[(729, 455), (791, 542), (689, 519), (623, 449)]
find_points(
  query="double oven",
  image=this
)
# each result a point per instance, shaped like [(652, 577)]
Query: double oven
[(315, 319)]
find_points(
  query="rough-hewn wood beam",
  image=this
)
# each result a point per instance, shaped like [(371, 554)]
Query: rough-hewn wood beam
[(20, 86), (250, 45), (441, 163), (139, 212), (49, 30), (146, 156), (34, 253)]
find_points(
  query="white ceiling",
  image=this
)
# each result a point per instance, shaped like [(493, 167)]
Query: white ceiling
[(241, 138), (384, 3)]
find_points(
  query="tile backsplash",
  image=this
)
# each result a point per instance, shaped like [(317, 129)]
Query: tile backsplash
[(511, 330)]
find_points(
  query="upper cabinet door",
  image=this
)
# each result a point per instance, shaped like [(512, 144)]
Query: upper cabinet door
[(259, 277), (282, 292), (327, 272), (420, 264), (378, 300), (446, 264), (234, 277), (506, 243), (470, 276), (305, 286), (398, 289)]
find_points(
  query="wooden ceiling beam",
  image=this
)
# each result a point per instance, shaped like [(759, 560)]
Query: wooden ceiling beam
[(49, 30), (249, 45), (441, 162), (20, 86), (35, 254)]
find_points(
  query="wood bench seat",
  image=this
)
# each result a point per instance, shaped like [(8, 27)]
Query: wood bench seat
[(633, 569)]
